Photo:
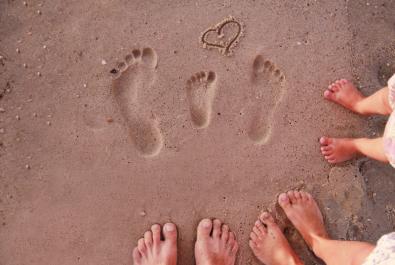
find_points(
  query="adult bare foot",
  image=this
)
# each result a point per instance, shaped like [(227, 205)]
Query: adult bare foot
[(344, 93), (302, 210), (336, 150), (151, 250), (269, 243), (215, 244)]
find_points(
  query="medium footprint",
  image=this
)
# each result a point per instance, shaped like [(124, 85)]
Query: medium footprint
[(270, 86), (134, 74), (201, 89)]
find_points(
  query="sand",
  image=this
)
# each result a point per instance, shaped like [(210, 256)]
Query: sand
[(88, 163)]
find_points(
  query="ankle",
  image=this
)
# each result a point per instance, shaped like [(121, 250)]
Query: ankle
[(316, 245), (359, 108)]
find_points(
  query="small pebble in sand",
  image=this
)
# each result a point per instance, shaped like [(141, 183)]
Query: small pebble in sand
[(2, 110), (48, 123), (109, 120), (17, 50), (78, 96), (25, 65), (27, 166), (18, 139), (2, 130), (17, 117), (29, 33), (368, 4), (29, 100), (44, 46), (38, 74), (24, 3), (142, 213), (299, 43), (49, 116), (103, 62), (34, 114), (38, 12), (85, 85)]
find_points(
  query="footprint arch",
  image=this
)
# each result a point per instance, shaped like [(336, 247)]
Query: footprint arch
[(135, 73), (201, 89), (269, 86)]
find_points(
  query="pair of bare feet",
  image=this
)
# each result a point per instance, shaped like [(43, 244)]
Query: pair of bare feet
[(217, 245), (344, 93)]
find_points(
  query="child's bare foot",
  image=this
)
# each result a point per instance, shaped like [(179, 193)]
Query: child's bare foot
[(303, 212), (151, 250), (269, 243), (336, 150), (344, 93), (215, 244)]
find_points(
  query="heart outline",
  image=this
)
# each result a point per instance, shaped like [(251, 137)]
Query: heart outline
[(226, 48)]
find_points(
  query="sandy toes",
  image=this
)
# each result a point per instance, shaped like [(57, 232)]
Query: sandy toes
[(137, 73), (336, 150), (201, 89), (215, 244), (344, 93), (151, 250), (302, 210), (269, 85), (269, 244)]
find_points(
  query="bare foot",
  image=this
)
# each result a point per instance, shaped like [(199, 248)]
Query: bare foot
[(302, 210), (151, 250), (336, 150), (215, 244), (269, 243), (344, 93)]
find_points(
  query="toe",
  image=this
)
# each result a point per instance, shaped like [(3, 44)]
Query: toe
[(155, 233), (284, 201), (217, 228), (204, 229), (325, 140), (232, 238), (211, 76), (267, 219), (253, 236), (304, 195), (136, 54), (252, 244), (141, 246), (122, 66), (225, 233), (335, 87), (260, 228), (136, 256), (343, 81), (259, 232), (326, 153), (149, 57), (291, 196), (148, 238), (235, 248), (326, 148), (298, 196), (328, 94), (129, 59), (170, 232)]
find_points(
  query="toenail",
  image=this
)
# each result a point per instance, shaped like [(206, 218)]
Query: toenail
[(170, 227), (206, 223), (283, 197)]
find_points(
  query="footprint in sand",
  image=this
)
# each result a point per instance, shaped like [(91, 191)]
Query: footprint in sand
[(136, 74), (201, 89), (269, 88)]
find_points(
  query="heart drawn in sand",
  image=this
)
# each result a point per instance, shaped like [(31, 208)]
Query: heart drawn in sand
[(216, 37)]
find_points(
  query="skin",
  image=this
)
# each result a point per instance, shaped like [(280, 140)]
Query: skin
[(344, 93), (302, 210), (269, 244)]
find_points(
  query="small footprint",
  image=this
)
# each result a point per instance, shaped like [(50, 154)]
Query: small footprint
[(270, 87), (201, 88), (135, 74)]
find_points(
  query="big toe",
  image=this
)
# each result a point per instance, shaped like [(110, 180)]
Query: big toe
[(267, 219), (325, 140), (149, 57), (284, 201), (204, 229), (328, 94), (170, 232)]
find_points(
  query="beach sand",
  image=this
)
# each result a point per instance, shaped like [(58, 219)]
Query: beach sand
[(89, 163)]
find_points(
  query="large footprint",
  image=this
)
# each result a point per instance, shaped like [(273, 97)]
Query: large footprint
[(269, 87), (201, 89), (134, 74)]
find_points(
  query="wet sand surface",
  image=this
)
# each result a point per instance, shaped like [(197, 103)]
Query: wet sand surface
[(87, 164)]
